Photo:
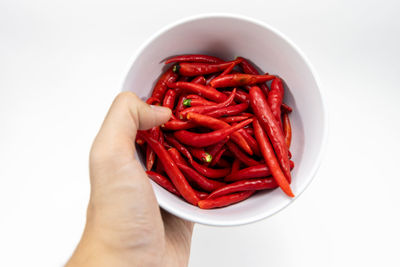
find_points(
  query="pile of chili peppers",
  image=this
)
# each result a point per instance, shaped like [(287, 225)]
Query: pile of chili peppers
[(229, 134)]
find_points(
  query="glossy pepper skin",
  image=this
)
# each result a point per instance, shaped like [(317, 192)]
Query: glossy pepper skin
[(239, 79), (248, 68), (193, 69), (194, 58), (163, 182), (193, 176), (228, 111), (240, 155), (202, 90), (208, 108), (235, 166), (251, 141), (287, 129), (171, 169), (233, 119), (275, 98), (270, 158), (268, 122), (257, 171), (214, 149), (203, 170), (245, 185), (200, 80), (217, 124), (189, 102), (210, 172), (176, 125), (224, 200), (201, 154), (218, 158), (169, 99), (150, 155), (208, 139), (162, 84)]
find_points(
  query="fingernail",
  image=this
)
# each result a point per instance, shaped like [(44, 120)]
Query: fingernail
[(160, 108)]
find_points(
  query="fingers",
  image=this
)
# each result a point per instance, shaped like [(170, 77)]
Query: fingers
[(127, 114)]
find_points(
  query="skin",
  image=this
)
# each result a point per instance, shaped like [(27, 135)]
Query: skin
[(124, 225)]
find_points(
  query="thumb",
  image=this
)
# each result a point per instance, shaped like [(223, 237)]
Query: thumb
[(127, 114)]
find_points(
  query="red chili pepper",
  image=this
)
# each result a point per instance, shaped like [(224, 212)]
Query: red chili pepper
[(163, 182), (287, 129), (224, 200), (194, 58), (150, 155), (286, 109), (228, 153), (208, 139), (270, 125), (202, 90), (162, 84), (201, 154), (239, 79), (224, 163), (214, 149), (275, 98), (181, 148), (171, 169), (240, 155), (229, 69), (245, 185), (211, 77), (232, 119), (235, 167), (251, 141), (228, 111), (218, 157), (249, 130), (176, 125), (217, 124), (248, 68), (200, 80), (159, 166), (189, 102), (169, 99), (194, 69), (240, 96), (166, 184), (150, 158), (200, 194), (257, 171), (193, 176), (270, 159), (205, 109), (179, 106), (153, 101), (210, 172)]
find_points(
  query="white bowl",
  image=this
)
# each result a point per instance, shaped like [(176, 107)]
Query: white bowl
[(229, 36)]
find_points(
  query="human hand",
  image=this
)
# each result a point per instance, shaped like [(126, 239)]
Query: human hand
[(125, 226)]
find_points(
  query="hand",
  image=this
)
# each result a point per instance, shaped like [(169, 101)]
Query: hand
[(125, 226)]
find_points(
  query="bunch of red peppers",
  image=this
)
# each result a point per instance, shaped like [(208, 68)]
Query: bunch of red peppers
[(229, 134)]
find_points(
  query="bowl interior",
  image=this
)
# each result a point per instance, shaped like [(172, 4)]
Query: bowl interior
[(229, 37)]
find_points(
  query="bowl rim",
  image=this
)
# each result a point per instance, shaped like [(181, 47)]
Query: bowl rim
[(324, 111)]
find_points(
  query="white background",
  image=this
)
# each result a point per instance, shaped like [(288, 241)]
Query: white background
[(62, 62)]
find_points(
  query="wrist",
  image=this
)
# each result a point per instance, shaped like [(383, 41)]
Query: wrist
[(99, 246)]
